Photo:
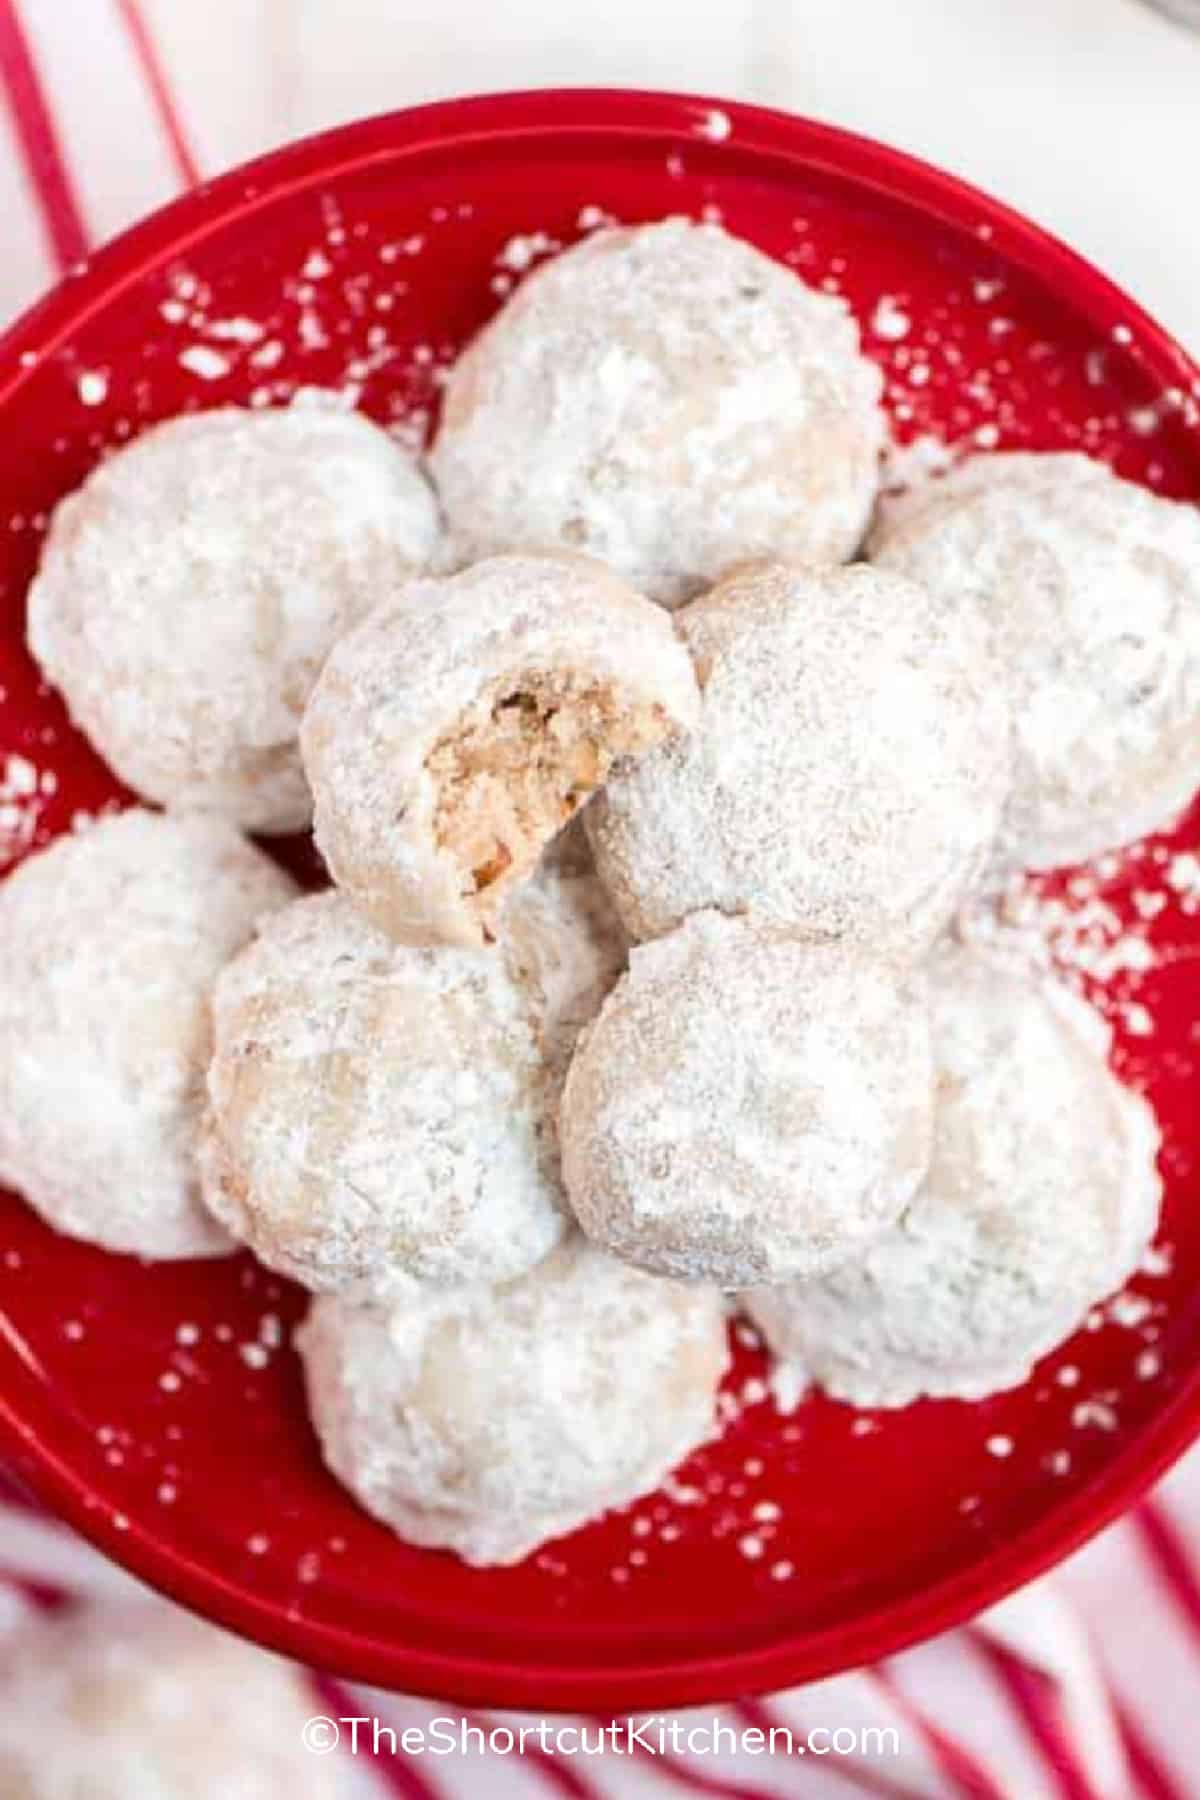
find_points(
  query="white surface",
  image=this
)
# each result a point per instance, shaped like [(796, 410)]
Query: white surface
[(1083, 113)]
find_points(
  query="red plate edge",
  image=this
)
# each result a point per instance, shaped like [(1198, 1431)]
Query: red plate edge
[(784, 137)]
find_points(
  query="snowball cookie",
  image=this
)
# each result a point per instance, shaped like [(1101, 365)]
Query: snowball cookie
[(747, 1108), (381, 1114), (487, 1422), (563, 939), (670, 400), (847, 774), (133, 1700), (191, 589), (1092, 587), (110, 943), (454, 732), (1041, 1199)]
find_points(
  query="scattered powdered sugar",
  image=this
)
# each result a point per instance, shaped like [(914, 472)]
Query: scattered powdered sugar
[(24, 792), (1099, 927), (731, 1504), (203, 360), (237, 330), (889, 321), (715, 125), (1085, 933), (1097, 1415), (594, 218), (1137, 1019), (254, 1353), (1183, 878), (522, 251), (93, 387)]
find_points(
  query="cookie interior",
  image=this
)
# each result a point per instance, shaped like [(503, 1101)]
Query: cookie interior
[(519, 763)]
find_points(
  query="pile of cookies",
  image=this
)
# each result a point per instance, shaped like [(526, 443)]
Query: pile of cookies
[(649, 815)]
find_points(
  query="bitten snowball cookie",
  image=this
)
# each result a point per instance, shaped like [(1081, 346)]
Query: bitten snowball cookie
[(1041, 1198), (191, 589), (846, 776), (670, 400), (1092, 588), (381, 1114), (747, 1108), (110, 943), (464, 722), (489, 1422), (136, 1701)]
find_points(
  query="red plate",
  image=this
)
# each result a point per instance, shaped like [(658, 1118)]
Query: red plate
[(152, 1405)]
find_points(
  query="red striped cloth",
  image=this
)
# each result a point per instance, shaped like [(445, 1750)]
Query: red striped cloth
[(1084, 1687), (1050, 1696)]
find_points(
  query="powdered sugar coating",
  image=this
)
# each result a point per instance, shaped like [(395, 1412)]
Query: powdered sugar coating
[(111, 941), (1041, 1199), (670, 400), (562, 937), (382, 1114), (436, 659), (846, 777), (1092, 588), (747, 1108), (138, 1701), (190, 590), (489, 1422)]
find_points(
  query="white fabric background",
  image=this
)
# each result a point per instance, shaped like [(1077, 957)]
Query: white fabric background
[(1083, 113)]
